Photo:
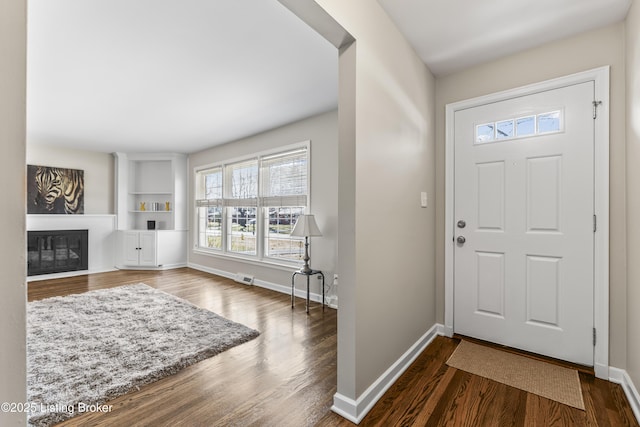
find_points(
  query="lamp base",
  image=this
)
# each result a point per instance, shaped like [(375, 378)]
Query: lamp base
[(306, 269)]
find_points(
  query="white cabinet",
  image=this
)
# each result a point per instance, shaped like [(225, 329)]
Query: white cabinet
[(139, 248), (152, 249)]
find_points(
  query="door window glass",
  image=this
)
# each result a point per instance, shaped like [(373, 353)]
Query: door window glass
[(549, 122), (526, 126), (484, 133), (521, 127), (504, 129)]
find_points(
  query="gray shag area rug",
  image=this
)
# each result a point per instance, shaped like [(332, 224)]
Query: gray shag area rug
[(85, 349)]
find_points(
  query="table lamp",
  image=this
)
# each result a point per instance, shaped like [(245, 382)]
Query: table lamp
[(306, 227)]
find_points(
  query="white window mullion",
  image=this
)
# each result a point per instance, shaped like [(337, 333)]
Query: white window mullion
[(259, 223), (225, 214)]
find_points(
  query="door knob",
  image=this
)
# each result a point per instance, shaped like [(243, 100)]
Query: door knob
[(461, 239), (462, 224)]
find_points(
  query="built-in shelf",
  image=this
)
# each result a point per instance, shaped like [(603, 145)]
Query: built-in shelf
[(152, 180), (151, 238)]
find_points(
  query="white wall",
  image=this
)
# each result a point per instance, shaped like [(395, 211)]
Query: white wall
[(633, 191), (386, 251), (98, 172), (13, 359), (322, 130), (586, 51)]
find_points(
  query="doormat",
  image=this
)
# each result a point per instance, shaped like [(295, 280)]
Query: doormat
[(534, 376)]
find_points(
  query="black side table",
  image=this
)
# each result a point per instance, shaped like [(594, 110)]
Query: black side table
[(308, 274)]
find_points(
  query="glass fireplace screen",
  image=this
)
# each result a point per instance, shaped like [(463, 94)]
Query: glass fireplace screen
[(57, 251)]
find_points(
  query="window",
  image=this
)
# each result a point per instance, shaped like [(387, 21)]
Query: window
[(526, 126), (242, 202), (209, 208), (284, 197), (249, 207), (549, 122), (520, 127), (484, 133), (504, 129)]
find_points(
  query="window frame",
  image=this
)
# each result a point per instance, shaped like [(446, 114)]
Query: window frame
[(261, 231)]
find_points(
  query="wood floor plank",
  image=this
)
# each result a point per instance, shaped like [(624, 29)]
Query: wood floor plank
[(498, 404), (287, 376), (419, 383), (593, 402)]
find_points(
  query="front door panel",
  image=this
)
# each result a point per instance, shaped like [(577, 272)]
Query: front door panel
[(524, 185)]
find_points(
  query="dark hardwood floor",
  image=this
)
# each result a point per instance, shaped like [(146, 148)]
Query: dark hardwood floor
[(430, 393), (287, 376)]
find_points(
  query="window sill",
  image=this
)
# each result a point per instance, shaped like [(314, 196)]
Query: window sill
[(280, 265)]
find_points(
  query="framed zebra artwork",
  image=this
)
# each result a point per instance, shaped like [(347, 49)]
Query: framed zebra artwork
[(54, 190)]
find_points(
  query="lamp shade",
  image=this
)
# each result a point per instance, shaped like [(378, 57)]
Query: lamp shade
[(306, 227)]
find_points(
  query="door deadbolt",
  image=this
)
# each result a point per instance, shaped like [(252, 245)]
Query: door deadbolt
[(461, 239), (462, 224)]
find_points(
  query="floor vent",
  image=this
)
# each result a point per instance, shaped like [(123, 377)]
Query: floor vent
[(244, 278)]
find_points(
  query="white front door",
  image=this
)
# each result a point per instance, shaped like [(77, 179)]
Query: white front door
[(524, 216)]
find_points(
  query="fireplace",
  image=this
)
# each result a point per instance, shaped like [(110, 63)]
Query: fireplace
[(57, 251)]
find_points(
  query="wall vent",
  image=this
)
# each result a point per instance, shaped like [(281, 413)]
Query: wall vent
[(244, 278)]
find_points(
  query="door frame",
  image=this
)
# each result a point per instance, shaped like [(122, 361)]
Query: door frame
[(600, 77)]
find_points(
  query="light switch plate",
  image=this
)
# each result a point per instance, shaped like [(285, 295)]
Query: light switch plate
[(423, 199)]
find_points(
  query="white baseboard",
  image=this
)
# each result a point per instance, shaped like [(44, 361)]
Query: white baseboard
[(356, 410), (447, 331), (104, 270), (620, 376), (301, 293), (67, 274), (172, 266), (152, 268), (601, 371), (215, 271)]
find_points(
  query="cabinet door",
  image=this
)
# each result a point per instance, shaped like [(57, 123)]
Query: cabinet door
[(130, 247), (148, 248)]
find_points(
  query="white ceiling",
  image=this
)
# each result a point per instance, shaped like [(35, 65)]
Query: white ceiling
[(450, 35), (170, 75), (184, 75)]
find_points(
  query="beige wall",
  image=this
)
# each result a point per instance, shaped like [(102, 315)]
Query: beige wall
[(633, 192), (387, 287), (98, 172), (590, 50), (13, 73), (322, 130)]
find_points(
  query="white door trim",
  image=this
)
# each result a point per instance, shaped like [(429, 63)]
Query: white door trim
[(601, 199)]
